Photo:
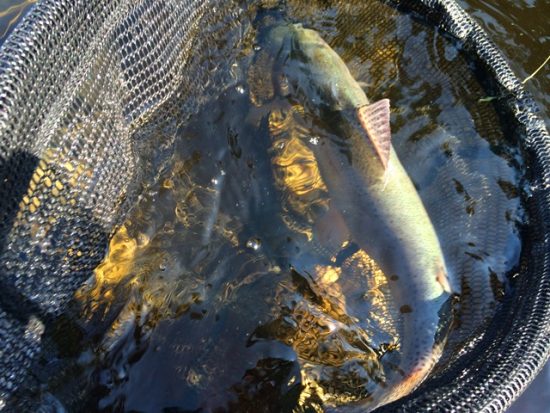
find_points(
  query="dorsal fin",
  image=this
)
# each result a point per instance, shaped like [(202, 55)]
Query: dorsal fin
[(375, 119)]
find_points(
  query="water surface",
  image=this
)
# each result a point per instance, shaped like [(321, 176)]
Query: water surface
[(192, 279), (209, 313), (520, 29)]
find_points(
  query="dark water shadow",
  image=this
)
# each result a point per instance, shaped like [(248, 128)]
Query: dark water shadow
[(35, 332)]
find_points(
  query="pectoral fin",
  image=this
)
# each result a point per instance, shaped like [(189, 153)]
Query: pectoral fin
[(331, 231), (375, 120)]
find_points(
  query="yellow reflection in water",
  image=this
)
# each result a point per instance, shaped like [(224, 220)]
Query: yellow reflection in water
[(295, 169), (294, 163), (331, 341), (122, 251)]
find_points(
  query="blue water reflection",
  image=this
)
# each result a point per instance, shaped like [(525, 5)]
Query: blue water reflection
[(11, 13)]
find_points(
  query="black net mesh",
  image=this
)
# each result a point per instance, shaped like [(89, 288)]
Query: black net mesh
[(84, 84), (515, 346)]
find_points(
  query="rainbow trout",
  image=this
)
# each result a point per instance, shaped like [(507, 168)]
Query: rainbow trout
[(372, 192)]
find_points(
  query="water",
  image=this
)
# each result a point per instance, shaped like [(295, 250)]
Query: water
[(204, 310), (520, 30), (223, 298), (11, 12)]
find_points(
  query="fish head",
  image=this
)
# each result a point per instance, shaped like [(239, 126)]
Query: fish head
[(326, 82), (313, 72), (307, 39)]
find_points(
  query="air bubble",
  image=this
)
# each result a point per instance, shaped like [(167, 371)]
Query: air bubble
[(240, 89), (254, 244)]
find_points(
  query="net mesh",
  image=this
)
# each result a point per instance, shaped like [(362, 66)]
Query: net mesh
[(82, 86), (78, 79)]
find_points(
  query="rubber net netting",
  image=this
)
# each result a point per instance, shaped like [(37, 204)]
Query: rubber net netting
[(85, 85)]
